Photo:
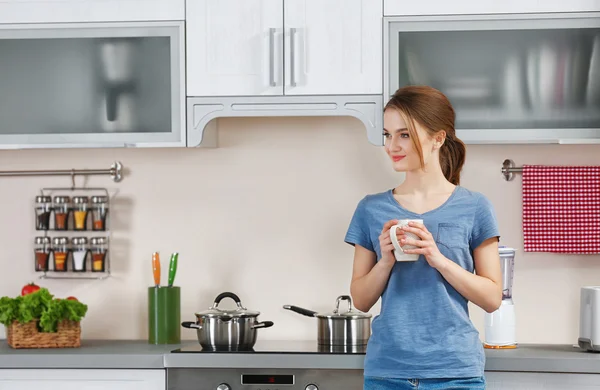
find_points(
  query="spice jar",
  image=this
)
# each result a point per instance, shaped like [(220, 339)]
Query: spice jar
[(79, 253), (60, 250), (42, 253), (99, 212), (61, 212), (80, 211), (99, 250), (43, 208)]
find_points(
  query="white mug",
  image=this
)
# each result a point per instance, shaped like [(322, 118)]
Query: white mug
[(399, 250)]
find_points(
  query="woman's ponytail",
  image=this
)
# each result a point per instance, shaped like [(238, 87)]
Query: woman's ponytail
[(452, 158)]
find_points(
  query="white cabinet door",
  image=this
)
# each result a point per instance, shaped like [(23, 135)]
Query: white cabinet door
[(333, 47), (465, 7), (60, 379), (234, 47), (73, 11), (541, 381)]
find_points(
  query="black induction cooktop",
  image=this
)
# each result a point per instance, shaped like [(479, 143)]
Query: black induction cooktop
[(280, 346)]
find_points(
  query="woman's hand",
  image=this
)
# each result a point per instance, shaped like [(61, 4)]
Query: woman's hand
[(426, 244), (385, 242)]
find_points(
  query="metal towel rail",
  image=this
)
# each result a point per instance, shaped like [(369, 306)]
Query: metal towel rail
[(509, 169), (115, 172)]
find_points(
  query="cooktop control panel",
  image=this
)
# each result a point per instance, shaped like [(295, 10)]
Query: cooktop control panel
[(263, 379)]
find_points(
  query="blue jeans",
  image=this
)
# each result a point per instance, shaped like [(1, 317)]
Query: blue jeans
[(375, 383)]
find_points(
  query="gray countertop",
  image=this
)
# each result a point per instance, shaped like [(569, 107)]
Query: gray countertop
[(138, 354), (543, 358), (91, 354)]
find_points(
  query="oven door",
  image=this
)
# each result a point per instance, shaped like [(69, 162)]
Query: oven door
[(263, 379)]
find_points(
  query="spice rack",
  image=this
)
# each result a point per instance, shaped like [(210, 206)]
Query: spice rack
[(73, 240)]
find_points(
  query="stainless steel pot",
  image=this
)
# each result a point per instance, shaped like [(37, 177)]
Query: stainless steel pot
[(343, 329), (228, 330)]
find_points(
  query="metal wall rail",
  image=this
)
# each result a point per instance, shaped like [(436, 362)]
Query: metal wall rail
[(115, 172)]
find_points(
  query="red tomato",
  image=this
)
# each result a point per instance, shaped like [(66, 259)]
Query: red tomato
[(29, 288), (71, 298)]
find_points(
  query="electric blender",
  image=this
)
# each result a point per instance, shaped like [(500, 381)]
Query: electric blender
[(500, 325)]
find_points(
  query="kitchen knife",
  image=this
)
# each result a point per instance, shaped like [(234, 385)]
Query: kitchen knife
[(173, 268), (156, 268)]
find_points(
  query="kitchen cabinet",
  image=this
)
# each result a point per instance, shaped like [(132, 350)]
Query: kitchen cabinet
[(519, 78), (283, 47), (541, 381), (82, 379), (333, 47), (74, 11), (92, 85), (234, 47), (466, 7)]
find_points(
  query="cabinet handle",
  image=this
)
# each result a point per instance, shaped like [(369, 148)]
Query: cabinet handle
[(292, 57), (272, 81)]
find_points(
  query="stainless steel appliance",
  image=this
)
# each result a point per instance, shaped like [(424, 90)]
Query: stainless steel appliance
[(222, 329), (312, 367), (589, 318), (339, 328)]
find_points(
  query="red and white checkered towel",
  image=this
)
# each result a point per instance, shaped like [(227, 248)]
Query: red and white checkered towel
[(561, 209)]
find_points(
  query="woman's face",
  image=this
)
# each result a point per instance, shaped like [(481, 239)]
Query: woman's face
[(399, 146)]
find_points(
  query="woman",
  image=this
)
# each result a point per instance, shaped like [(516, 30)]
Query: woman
[(423, 337)]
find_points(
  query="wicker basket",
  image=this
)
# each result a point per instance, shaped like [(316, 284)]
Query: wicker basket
[(68, 335)]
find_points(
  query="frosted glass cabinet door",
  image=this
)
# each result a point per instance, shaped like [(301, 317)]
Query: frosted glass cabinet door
[(92, 85), (465, 7), (510, 78), (82, 379), (76, 11), (333, 47), (234, 47)]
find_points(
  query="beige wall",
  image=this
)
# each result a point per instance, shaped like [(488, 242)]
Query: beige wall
[(264, 216)]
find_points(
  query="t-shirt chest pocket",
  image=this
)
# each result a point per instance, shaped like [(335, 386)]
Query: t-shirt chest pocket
[(452, 235)]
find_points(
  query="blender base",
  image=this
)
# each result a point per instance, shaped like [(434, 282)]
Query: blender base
[(500, 332)]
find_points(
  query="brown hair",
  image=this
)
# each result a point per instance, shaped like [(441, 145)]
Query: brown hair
[(432, 110)]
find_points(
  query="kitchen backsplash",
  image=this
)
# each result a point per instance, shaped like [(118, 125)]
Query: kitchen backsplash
[(264, 216)]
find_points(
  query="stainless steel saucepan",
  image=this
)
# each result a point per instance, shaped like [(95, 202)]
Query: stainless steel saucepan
[(228, 330), (339, 328)]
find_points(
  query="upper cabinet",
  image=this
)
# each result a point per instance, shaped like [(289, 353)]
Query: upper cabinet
[(333, 47), (468, 7), (73, 11), (92, 85), (512, 78), (234, 47), (284, 47)]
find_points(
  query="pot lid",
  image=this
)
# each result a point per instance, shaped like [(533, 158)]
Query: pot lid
[(349, 313), (215, 311)]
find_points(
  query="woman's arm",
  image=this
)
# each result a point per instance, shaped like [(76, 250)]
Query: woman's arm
[(484, 288), (369, 278)]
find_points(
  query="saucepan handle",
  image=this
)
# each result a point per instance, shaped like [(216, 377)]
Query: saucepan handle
[(299, 310), (228, 294), (191, 325), (264, 324)]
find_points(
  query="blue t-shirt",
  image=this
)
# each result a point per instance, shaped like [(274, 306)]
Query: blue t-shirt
[(424, 329)]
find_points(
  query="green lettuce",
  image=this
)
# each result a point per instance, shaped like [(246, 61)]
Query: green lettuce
[(42, 306), (9, 310)]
